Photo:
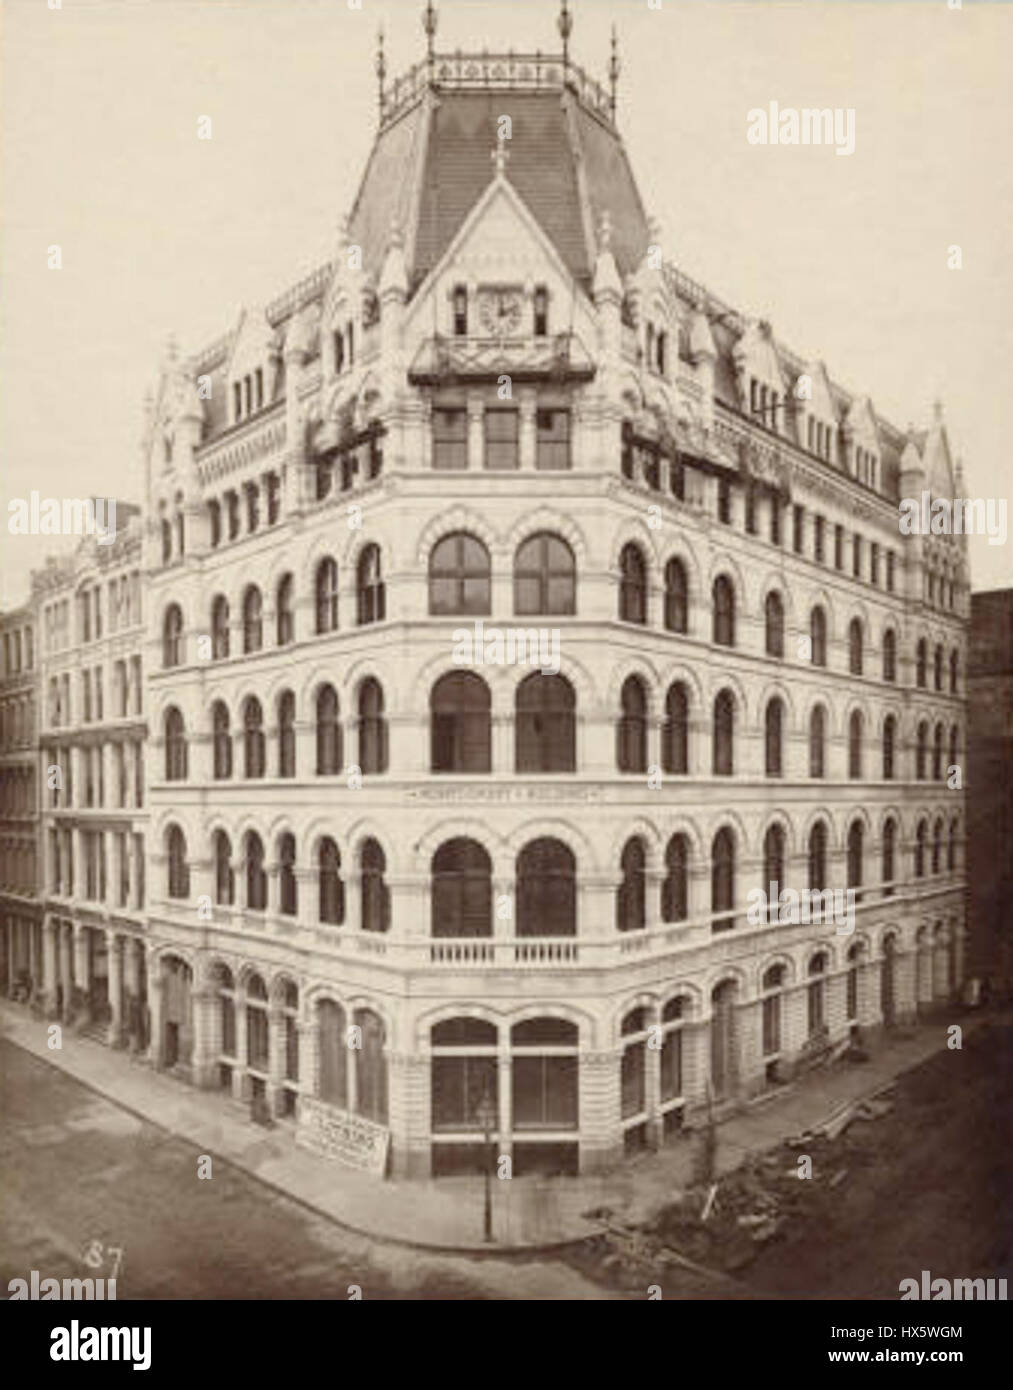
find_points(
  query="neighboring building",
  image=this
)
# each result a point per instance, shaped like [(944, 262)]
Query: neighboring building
[(20, 908), (92, 742), (385, 881), (990, 779)]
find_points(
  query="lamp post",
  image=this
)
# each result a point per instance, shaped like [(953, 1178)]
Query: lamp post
[(485, 1114)]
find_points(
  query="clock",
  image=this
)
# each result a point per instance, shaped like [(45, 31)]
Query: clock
[(500, 312)]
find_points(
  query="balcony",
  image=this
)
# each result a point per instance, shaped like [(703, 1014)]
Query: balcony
[(442, 361)]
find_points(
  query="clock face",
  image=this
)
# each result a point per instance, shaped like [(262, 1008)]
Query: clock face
[(501, 312)]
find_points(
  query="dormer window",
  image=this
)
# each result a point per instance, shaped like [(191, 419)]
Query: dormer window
[(259, 378), (370, 311), (237, 401), (541, 311), (662, 352), (460, 312), (339, 353)]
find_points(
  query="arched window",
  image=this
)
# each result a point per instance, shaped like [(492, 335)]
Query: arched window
[(332, 890), (889, 856), (175, 746), (772, 983), (370, 590), (286, 734), (287, 890), (921, 662), (675, 888), (951, 849), (774, 737), (256, 877), (459, 576), (253, 738), (816, 996), (818, 857), (220, 628), (773, 869), (329, 749), (370, 1067), (954, 745), (215, 518), (921, 841), (937, 668), (172, 636), (221, 740), (462, 889), (460, 738), (631, 897), (676, 597), (921, 750), (855, 647), (675, 732), (253, 620), (375, 893), (225, 879), (856, 841), (724, 611), (179, 869), (545, 576), (724, 734), (889, 655), (937, 846), (889, 744), (284, 613), (631, 750), (954, 670), (855, 744), (546, 889), (166, 532), (723, 879), (937, 753), (817, 741), (633, 1067), (545, 725), (632, 585), (773, 612), (372, 727), (818, 636), (325, 590)]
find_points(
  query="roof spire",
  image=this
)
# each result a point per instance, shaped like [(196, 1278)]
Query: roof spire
[(500, 155), (381, 66), (565, 23), (614, 69), (429, 22)]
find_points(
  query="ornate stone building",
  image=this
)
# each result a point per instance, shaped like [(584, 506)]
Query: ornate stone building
[(92, 735), (417, 887), (20, 909)]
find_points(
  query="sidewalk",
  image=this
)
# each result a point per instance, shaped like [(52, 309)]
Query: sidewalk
[(528, 1213)]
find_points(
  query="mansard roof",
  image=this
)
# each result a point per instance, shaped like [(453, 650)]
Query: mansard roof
[(431, 163), (430, 166)]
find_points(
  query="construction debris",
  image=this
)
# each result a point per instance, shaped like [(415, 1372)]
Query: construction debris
[(709, 1202)]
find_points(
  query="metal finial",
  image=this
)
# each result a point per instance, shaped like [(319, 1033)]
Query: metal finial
[(381, 64), (429, 21), (615, 68), (565, 23)]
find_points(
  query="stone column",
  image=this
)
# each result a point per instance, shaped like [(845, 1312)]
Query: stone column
[(503, 759), (113, 945), (204, 1057), (503, 1139), (476, 430), (527, 443), (82, 981), (156, 999), (65, 946), (600, 1111), (51, 967), (239, 1091)]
